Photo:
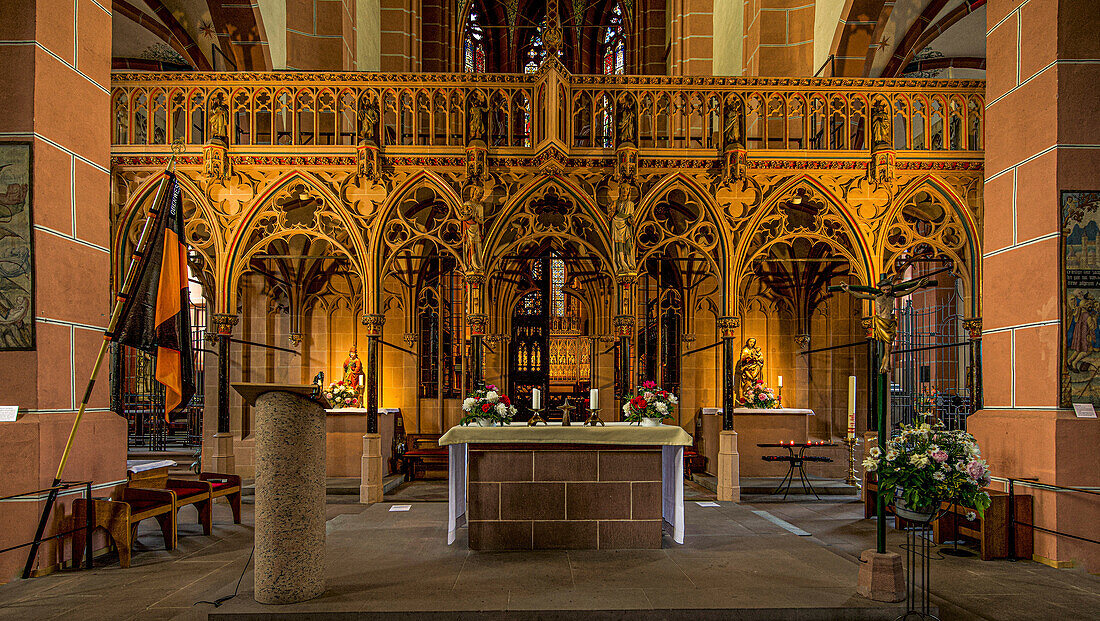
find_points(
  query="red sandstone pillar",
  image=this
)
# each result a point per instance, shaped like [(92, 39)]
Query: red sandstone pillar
[(1042, 137), (55, 62)]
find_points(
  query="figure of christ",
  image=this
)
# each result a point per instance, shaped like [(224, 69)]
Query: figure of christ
[(473, 215), (885, 327)]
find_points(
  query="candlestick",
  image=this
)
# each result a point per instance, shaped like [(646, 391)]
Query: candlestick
[(851, 406), (593, 418), (851, 442), (780, 381)]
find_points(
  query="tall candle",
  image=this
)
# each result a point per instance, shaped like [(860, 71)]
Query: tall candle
[(536, 399), (851, 406), (594, 399), (780, 381)]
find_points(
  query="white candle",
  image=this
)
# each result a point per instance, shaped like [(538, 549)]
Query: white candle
[(851, 406), (780, 381), (536, 399), (594, 399)]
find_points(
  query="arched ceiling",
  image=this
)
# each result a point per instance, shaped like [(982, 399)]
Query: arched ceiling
[(177, 34)]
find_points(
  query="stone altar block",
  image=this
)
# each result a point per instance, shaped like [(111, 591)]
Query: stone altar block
[(754, 426), (290, 492)]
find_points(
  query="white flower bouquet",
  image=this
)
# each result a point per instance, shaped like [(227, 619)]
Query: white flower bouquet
[(928, 464), (487, 405), (341, 395)]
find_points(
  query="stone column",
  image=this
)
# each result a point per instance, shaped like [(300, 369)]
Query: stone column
[(370, 486), (370, 482), (729, 469), (290, 498), (222, 457), (727, 329)]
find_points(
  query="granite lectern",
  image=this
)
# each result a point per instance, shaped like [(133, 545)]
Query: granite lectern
[(290, 492)]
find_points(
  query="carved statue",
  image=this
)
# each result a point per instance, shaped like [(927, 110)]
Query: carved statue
[(732, 131), (750, 368), (219, 119), (368, 121), (353, 368), (472, 214), (622, 232), (881, 128), (477, 111), (627, 126), (884, 324)]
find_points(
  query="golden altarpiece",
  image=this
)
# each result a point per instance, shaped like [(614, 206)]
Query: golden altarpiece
[(547, 228)]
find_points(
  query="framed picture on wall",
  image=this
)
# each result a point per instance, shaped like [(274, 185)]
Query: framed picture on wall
[(1080, 297), (16, 248)]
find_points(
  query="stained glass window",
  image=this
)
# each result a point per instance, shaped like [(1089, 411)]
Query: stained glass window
[(557, 282), (614, 45), (474, 52)]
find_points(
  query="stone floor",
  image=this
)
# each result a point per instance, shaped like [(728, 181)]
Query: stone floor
[(735, 564)]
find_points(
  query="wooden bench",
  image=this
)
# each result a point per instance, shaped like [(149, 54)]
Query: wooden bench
[(990, 531), (121, 517), (226, 486), (187, 492), (423, 453)]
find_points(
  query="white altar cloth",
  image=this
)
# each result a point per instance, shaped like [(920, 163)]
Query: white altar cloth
[(672, 467)]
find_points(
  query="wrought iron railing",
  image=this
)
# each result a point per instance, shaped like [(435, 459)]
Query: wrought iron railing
[(425, 110)]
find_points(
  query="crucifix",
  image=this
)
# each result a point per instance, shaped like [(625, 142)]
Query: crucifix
[(884, 323)]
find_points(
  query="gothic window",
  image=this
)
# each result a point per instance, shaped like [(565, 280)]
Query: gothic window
[(557, 283), (536, 51), (474, 46), (613, 47), (440, 330)]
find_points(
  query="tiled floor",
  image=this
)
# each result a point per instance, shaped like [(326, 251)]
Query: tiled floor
[(734, 564)]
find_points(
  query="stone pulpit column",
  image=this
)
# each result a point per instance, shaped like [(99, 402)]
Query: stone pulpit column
[(290, 492)]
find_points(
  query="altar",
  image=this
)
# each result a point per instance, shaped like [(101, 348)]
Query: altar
[(572, 487), (761, 426)]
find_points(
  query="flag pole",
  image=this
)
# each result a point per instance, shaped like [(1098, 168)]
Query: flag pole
[(108, 335)]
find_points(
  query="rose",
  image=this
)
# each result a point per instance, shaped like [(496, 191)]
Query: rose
[(648, 396), (649, 384), (940, 456), (485, 407), (506, 400), (975, 470), (347, 400), (763, 397), (639, 403)]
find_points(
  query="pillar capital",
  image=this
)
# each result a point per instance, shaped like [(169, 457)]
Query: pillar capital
[(223, 322), (727, 326), (477, 322), (623, 324), (973, 327), (374, 323)]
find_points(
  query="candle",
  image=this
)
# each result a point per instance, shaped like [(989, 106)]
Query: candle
[(536, 399), (851, 406), (594, 399), (780, 381)]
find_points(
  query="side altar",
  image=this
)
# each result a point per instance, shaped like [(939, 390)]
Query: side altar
[(566, 487)]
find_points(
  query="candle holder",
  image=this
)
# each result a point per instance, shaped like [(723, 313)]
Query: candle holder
[(593, 418), (566, 409), (536, 418), (851, 479)]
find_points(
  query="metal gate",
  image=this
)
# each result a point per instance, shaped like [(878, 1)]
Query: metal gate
[(140, 397)]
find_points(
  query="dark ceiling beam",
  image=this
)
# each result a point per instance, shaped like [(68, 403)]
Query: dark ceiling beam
[(159, 30), (916, 29), (961, 62), (930, 34)]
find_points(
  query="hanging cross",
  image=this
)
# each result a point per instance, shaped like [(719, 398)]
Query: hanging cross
[(885, 324)]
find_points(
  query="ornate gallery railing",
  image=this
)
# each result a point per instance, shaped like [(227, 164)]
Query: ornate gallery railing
[(425, 110)]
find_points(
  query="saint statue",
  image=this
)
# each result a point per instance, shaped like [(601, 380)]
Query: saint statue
[(472, 214), (884, 324), (622, 232), (478, 109), (731, 129), (881, 129), (368, 121), (353, 368), (626, 126), (219, 119), (750, 368)]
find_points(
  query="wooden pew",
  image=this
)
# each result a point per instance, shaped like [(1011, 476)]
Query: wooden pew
[(423, 454), (226, 486), (121, 517), (187, 492)]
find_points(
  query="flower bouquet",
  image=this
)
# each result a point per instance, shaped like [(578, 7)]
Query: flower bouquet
[(928, 464), (650, 405), (341, 395), (486, 407), (760, 396)]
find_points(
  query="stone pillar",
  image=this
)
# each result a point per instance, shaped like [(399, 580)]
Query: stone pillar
[(727, 329), (290, 498), (778, 38), (222, 457), (1042, 138), (729, 469), (370, 486)]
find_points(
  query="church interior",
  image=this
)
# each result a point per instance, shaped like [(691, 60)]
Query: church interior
[(790, 226)]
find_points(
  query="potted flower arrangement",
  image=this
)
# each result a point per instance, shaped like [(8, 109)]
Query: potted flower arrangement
[(928, 464), (760, 395), (650, 405), (487, 407), (341, 395)]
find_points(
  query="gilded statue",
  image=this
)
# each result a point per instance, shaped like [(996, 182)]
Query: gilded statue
[(472, 213), (476, 115), (368, 121), (881, 129), (884, 323), (622, 232), (732, 131), (750, 368), (627, 126), (353, 368), (219, 119)]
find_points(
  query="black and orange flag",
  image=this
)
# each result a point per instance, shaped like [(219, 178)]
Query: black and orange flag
[(156, 313)]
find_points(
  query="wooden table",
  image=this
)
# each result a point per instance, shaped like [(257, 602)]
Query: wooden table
[(575, 487)]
